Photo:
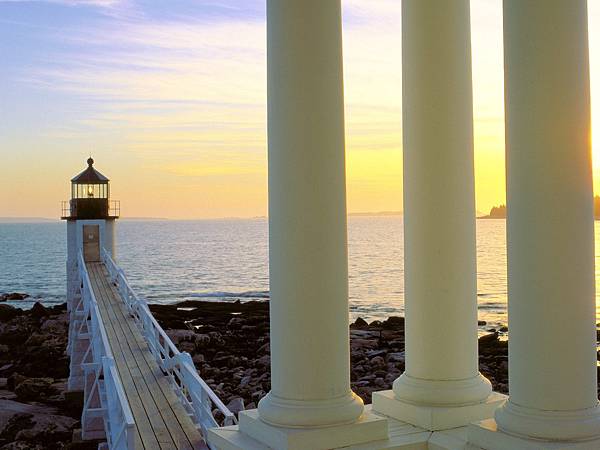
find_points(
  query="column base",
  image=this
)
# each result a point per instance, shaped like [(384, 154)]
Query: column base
[(255, 434), (434, 418), (549, 425), (467, 391), (283, 412), (486, 435)]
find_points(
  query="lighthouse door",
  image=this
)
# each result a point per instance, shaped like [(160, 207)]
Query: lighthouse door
[(91, 243)]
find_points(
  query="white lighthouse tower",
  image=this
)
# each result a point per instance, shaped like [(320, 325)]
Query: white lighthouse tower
[(90, 216)]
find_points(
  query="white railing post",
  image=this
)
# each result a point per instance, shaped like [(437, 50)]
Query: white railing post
[(106, 413), (196, 396)]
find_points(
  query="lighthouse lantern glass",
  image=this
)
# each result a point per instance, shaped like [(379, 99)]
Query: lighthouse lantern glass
[(89, 190)]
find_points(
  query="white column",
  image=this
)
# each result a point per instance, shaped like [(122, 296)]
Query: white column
[(552, 342), (310, 404), (439, 221), (310, 359)]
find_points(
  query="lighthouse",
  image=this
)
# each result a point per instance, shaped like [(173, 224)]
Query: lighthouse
[(90, 215)]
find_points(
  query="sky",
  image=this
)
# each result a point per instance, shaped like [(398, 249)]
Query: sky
[(170, 99)]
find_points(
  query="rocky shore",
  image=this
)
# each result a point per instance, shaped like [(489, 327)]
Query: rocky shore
[(229, 344), (34, 411)]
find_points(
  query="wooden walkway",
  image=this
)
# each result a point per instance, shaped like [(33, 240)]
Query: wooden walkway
[(161, 420)]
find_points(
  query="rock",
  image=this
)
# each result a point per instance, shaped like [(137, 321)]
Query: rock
[(6, 370), (15, 424), (38, 428), (266, 348), (34, 389), (245, 381), (359, 323), (198, 359), (178, 336), (373, 353), (236, 405), (396, 357), (38, 311), (21, 445), (264, 361), (481, 323), (236, 322), (13, 296), (10, 408), (202, 339), (503, 329), (186, 346), (393, 322), (8, 312), (364, 334), (56, 326), (488, 339), (36, 339), (363, 343), (48, 428)]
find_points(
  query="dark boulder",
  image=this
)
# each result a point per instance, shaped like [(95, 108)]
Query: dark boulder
[(38, 311), (13, 296), (359, 323), (393, 323), (35, 389), (8, 312)]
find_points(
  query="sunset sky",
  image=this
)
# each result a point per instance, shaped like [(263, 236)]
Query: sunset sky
[(170, 99)]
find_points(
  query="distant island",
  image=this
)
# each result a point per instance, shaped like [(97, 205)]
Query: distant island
[(499, 212)]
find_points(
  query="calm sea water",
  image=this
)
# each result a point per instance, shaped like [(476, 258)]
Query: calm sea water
[(226, 260)]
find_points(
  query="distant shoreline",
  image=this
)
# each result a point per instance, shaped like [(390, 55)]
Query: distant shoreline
[(26, 220)]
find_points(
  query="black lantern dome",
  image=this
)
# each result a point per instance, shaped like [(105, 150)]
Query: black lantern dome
[(90, 196)]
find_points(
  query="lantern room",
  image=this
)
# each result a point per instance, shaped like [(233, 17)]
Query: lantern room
[(90, 196)]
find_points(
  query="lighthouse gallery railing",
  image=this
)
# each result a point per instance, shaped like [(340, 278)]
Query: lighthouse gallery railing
[(196, 396)]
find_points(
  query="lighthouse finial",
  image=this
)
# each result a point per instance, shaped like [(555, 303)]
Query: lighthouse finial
[(90, 161)]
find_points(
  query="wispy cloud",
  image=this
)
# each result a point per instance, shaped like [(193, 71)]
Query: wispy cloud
[(176, 92)]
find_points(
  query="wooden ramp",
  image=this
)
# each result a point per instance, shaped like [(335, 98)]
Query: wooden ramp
[(160, 418)]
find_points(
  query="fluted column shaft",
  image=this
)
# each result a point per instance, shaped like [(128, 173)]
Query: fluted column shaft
[(550, 234), (310, 362)]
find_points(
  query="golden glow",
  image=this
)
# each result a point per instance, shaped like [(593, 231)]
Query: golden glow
[(175, 115)]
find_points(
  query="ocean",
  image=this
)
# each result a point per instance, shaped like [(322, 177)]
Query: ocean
[(227, 260)]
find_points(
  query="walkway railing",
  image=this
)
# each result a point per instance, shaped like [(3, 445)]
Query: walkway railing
[(196, 396), (106, 412)]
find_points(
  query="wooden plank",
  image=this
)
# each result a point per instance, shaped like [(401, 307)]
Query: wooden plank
[(182, 430), (168, 419), (142, 426), (170, 398), (156, 402), (185, 429), (130, 373), (147, 436)]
